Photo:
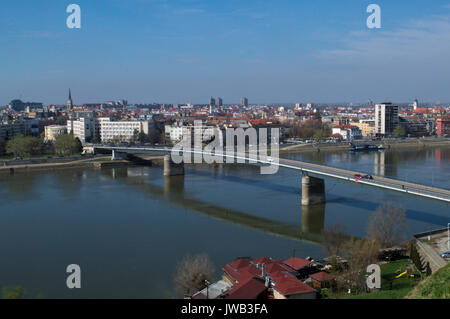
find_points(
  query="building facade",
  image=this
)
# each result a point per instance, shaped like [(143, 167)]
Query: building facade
[(91, 129), (386, 119), (53, 131), (443, 126)]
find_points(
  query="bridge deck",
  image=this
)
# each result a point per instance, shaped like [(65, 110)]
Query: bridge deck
[(320, 170)]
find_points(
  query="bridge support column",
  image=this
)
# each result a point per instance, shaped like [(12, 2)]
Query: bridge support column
[(172, 169), (313, 190)]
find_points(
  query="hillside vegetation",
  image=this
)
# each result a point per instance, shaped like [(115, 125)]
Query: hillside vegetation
[(437, 286)]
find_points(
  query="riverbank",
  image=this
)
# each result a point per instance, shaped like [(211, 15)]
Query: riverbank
[(98, 161), (388, 144)]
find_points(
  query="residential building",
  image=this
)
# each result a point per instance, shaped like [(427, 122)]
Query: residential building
[(415, 125), (321, 280), (443, 126), (244, 101), (386, 119), (367, 127), (280, 278), (19, 106), (87, 129), (123, 130), (53, 131), (22, 126), (348, 132)]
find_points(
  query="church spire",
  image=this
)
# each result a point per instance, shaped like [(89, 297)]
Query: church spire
[(69, 102)]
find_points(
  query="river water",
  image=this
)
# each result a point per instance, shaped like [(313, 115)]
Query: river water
[(128, 227)]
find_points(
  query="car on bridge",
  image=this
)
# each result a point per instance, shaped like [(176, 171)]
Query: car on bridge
[(359, 176), (445, 254)]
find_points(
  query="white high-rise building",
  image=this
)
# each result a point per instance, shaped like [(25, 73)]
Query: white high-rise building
[(386, 118)]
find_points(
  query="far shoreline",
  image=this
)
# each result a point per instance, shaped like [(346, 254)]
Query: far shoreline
[(418, 144)]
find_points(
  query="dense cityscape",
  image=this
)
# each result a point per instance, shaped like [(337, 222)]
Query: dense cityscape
[(119, 122)]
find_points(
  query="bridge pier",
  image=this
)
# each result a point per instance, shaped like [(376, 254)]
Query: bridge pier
[(313, 190), (172, 169)]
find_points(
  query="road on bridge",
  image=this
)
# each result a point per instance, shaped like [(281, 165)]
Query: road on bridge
[(314, 169)]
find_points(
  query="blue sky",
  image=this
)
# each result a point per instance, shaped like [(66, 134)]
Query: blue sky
[(175, 51)]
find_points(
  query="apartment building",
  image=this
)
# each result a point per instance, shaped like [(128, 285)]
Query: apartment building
[(386, 118), (89, 129)]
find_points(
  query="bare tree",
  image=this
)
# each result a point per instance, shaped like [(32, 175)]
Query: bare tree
[(333, 239), (191, 273), (387, 225), (360, 253)]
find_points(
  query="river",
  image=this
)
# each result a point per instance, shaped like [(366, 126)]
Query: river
[(127, 227)]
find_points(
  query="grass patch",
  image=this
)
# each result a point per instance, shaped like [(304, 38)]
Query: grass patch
[(437, 286), (392, 288)]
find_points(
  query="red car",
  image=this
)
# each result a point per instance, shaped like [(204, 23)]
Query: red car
[(359, 176)]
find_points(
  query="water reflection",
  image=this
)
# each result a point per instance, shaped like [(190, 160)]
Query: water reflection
[(313, 219), (173, 186)]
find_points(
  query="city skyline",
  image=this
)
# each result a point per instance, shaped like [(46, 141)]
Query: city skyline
[(185, 51)]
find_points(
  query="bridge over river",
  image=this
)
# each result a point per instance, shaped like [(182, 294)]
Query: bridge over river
[(313, 187)]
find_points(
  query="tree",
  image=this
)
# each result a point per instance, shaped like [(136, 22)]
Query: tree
[(414, 256), (155, 136), (67, 144), (333, 239), (428, 270), (191, 273), (140, 137), (387, 225), (309, 129), (399, 131), (360, 253), (2, 147), (13, 292), (23, 146)]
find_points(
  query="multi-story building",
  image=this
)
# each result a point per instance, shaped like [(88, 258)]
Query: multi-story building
[(219, 101), (89, 129), (123, 130), (348, 132), (53, 131), (367, 127), (24, 126), (443, 125), (85, 128), (386, 119), (178, 130), (415, 125), (19, 106), (244, 101)]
